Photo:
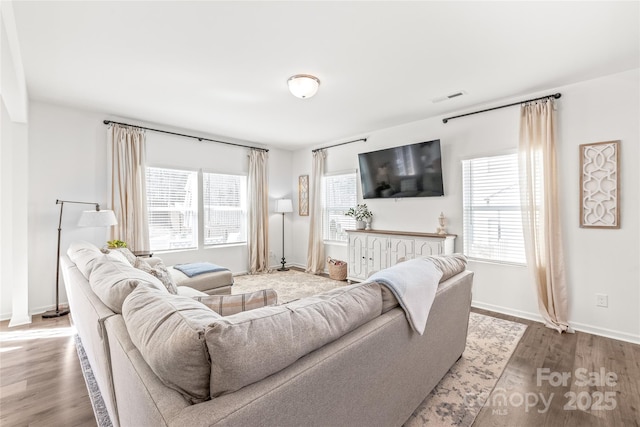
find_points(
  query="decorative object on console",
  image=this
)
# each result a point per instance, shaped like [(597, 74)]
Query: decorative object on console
[(362, 215), (442, 221), (283, 206), (303, 85), (303, 195), (95, 218), (599, 185)]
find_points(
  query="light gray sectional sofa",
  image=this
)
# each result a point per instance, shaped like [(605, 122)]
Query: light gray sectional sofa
[(346, 357)]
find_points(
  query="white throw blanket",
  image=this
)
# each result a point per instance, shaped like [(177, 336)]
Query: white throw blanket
[(414, 284)]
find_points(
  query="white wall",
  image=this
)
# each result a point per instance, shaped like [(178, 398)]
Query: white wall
[(14, 105), (68, 161), (598, 261)]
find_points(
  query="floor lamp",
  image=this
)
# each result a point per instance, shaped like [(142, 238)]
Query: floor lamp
[(96, 218), (283, 206)]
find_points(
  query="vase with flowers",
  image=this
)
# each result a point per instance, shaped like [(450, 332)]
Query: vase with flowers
[(362, 215)]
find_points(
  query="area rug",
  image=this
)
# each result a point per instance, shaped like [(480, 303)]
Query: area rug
[(289, 285), (99, 408), (461, 394)]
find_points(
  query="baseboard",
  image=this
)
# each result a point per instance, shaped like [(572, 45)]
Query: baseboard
[(604, 332), (24, 320), (32, 312), (582, 327), (508, 311)]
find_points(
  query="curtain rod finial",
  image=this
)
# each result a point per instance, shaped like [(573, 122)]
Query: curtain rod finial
[(445, 120)]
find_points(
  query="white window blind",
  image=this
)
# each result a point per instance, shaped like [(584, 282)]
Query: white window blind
[(172, 202), (225, 208), (491, 209), (339, 194)]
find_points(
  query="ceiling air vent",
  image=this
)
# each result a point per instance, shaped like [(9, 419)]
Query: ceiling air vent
[(450, 96)]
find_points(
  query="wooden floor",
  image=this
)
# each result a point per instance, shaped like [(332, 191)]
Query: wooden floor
[(556, 374), (41, 383)]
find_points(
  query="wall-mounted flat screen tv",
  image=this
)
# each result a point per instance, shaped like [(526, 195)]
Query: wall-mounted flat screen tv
[(413, 170)]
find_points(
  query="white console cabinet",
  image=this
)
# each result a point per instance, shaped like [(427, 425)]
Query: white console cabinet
[(374, 250)]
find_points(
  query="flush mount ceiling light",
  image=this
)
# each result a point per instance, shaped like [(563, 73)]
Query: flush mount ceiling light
[(303, 85)]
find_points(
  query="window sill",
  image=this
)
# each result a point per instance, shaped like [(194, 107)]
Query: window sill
[(335, 243), (496, 262), (225, 245)]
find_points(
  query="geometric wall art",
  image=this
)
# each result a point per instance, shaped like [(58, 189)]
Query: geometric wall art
[(600, 185), (303, 195)]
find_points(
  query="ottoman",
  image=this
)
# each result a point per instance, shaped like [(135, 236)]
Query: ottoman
[(215, 283)]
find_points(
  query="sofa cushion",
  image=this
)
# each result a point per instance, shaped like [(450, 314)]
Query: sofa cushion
[(450, 265), (226, 305), (168, 330), (113, 279), (83, 254), (159, 271), (249, 346), (190, 292), (126, 252)]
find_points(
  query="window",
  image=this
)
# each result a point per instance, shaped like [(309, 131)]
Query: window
[(491, 209), (225, 208), (339, 194), (172, 202)]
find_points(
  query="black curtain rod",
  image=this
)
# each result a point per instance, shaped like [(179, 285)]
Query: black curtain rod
[(337, 145), (555, 95), (199, 138)]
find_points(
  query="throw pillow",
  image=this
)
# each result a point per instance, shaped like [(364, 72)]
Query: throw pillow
[(226, 305), (113, 279), (159, 271)]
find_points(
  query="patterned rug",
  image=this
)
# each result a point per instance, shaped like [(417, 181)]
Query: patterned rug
[(99, 408), (290, 285), (460, 395), (455, 401)]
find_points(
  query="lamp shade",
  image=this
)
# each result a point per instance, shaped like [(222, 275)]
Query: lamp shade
[(284, 206), (97, 219), (303, 85)]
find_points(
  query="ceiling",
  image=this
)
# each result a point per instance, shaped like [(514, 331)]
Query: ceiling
[(221, 68)]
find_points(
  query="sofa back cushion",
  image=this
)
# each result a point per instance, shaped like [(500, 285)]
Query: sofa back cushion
[(168, 330), (252, 345), (450, 265), (112, 279), (83, 254)]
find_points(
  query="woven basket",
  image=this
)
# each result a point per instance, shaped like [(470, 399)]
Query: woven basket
[(337, 269)]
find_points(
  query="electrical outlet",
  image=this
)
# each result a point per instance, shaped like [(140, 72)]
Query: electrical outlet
[(602, 300)]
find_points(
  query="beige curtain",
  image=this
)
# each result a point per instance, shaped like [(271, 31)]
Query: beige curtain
[(128, 186), (315, 252), (540, 212), (258, 212)]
